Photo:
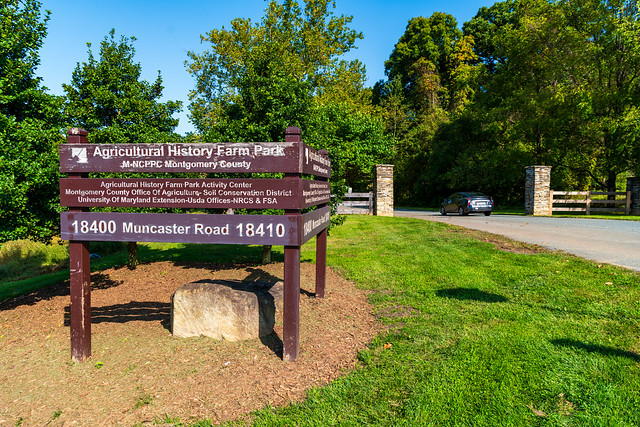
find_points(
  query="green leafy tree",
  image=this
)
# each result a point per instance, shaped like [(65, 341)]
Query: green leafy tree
[(389, 96), (565, 85), (551, 82), (356, 140), (521, 91), (521, 114), (430, 60), (606, 94), (432, 75), (484, 27), (257, 79), (470, 154), (108, 98), (30, 124)]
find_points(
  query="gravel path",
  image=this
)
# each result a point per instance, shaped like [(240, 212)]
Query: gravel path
[(609, 241)]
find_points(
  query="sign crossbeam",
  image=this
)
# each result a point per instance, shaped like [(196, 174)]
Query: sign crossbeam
[(277, 230), (193, 193), (293, 193), (237, 157)]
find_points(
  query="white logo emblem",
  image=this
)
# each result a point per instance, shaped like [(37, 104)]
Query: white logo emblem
[(80, 154)]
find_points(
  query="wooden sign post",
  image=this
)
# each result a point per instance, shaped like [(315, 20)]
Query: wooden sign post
[(293, 194)]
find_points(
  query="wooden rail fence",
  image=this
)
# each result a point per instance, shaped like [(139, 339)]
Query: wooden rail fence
[(357, 203), (583, 201)]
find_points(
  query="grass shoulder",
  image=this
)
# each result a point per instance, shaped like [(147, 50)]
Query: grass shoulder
[(520, 211)]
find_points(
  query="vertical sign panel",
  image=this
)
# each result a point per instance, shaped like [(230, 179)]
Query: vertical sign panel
[(315, 192), (315, 221), (314, 163)]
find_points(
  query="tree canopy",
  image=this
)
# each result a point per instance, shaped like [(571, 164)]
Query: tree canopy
[(567, 85), (30, 123), (107, 97), (433, 59), (552, 82), (256, 79), (432, 77)]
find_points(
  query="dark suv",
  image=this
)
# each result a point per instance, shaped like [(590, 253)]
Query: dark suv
[(466, 203)]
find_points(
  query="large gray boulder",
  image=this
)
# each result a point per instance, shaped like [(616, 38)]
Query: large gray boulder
[(226, 309)]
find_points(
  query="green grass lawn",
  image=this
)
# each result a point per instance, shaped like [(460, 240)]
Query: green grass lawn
[(480, 336), (477, 336)]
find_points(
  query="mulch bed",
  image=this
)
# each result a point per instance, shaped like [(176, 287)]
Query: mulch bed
[(140, 373)]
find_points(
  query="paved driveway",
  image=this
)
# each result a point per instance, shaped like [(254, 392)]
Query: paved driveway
[(610, 241)]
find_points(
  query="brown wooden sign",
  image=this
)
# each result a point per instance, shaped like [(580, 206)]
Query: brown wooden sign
[(261, 157), (193, 193), (293, 193), (279, 230)]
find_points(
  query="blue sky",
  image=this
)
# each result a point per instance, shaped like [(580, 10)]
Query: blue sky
[(167, 29)]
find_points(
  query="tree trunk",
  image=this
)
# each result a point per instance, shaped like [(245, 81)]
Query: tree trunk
[(266, 254), (539, 146), (132, 248), (611, 181)]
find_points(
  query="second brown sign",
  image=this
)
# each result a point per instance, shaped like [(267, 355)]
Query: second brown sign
[(193, 193)]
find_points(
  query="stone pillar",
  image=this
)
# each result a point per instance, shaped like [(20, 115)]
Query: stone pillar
[(383, 190), (537, 190), (633, 186)]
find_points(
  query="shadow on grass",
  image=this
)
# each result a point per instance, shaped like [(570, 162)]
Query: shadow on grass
[(98, 281), (466, 294), (596, 348)]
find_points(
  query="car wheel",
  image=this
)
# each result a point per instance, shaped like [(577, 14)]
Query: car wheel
[(461, 210), (487, 213), (442, 211)]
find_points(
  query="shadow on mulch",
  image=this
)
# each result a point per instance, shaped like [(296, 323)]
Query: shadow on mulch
[(102, 281), (274, 343), (130, 312)]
